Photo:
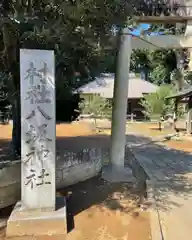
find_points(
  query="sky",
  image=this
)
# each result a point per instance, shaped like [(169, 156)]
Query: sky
[(140, 28)]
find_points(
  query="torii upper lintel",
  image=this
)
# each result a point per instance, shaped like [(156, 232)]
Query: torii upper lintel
[(161, 41)]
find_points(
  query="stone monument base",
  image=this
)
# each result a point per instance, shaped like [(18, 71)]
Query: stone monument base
[(38, 223)]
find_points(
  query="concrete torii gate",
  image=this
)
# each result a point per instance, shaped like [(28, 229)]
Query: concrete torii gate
[(117, 171)]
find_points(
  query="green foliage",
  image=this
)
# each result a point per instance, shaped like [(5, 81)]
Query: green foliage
[(87, 23), (78, 31), (156, 64), (177, 78), (160, 63), (159, 75), (188, 77), (156, 105), (4, 100), (176, 75), (97, 107), (140, 60)]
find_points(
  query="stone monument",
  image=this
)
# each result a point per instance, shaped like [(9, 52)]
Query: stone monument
[(37, 213)]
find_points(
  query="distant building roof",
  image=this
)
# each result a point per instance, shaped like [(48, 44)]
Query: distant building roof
[(104, 85), (186, 92)]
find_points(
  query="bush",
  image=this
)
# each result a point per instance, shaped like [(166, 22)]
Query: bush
[(156, 105), (97, 107)]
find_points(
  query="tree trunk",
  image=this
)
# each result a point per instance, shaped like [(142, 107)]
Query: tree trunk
[(11, 49), (16, 131), (95, 121), (175, 114), (180, 59), (160, 125)]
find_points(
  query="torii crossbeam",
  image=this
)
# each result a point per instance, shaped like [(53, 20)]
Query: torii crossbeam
[(161, 41)]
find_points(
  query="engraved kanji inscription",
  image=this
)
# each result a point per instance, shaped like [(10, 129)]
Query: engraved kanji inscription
[(43, 113), (31, 73), (42, 133), (31, 134), (42, 177), (31, 115), (32, 94), (43, 95), (36, 154), (31, 179), (38, 94), (38, 91), (42, 153), (44, 74), (30, 156), (39, 134), (37, 180)]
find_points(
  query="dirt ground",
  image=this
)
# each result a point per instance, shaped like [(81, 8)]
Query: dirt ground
[(151, 130), (148, 129), (101, 211), (96, 210), (107, 212), (68, 135), (74, 129)]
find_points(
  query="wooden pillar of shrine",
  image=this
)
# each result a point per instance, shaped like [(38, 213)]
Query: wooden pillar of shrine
[(189, 116)]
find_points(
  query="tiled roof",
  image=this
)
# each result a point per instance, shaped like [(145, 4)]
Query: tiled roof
[(185, 92), (105, 83)]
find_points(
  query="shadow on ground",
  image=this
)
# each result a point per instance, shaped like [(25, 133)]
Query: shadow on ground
[(97, 193), (174, 166), (94, 192), (170, 170)]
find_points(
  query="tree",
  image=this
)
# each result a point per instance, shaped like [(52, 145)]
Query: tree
[(78, 31), (156, 65), (162, 63), (96, 107), (156, 105), (140, 62), (4, 99)]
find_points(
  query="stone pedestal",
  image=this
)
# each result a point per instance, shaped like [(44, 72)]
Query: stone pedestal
[(115, 175), (36, 223)]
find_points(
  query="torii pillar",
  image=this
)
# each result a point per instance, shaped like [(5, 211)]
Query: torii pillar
[(117, 172), (188, 32), (120, 97)]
